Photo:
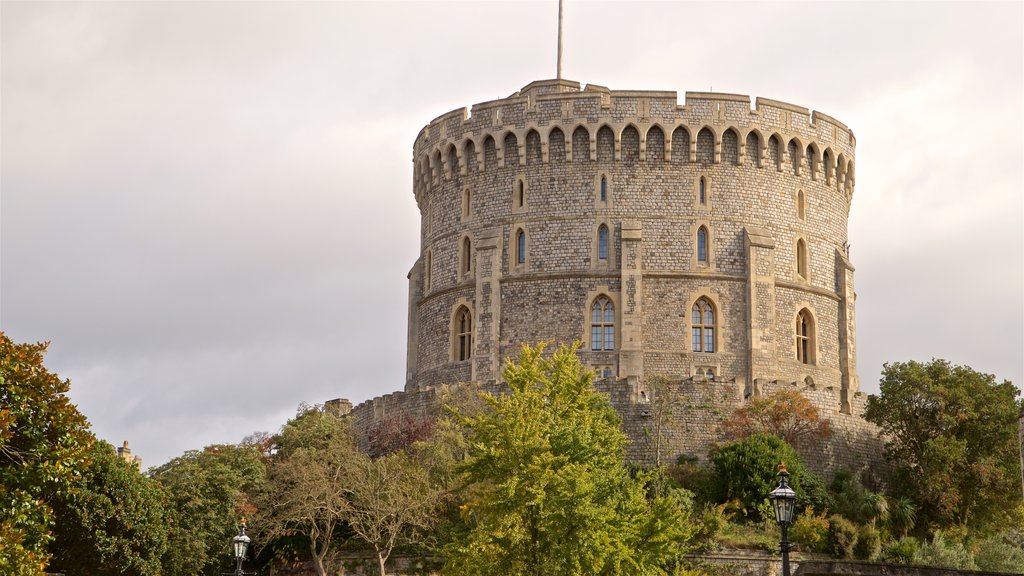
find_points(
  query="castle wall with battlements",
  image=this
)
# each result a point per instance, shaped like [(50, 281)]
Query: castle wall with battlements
[(702, 241)]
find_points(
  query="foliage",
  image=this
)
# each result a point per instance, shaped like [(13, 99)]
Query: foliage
[(745, 470), (944, 552), (309, 479), (902, 515), (869, 543), (208, 492), (842, 535), (713, 520), (810, 531), (43, 442), (951, 433), (998, 554), (666, 396), (902, 551), (786, 414), (550, 493), (390, 498), (112, 522), (398, 433)]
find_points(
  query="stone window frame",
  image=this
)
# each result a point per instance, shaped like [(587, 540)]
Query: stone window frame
[(455, 330), (703, 327), (467, 205), (801, 205), (607, 202), (805, 333), (716, 300), (595, 248), (709, 263), (520, 195), (465, 257), (592, 297), (706, 205), (801, 260), (513, 248)]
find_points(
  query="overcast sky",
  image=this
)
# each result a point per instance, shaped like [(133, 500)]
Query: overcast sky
[(207, 208)]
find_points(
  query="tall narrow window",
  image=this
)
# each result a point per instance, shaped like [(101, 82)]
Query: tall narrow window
[(801, 258), (463, 334), (522, 194), (604, 188), (426, 271), (804, 337), (467, 203), (521, 247), (703, 195), (467, 256), (801, 210), (602, 324), (602, 242), (703, 320), (702, 244)]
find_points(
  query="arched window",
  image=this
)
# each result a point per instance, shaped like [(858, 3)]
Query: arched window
[(702, 244), (801, 258), (703, 320), (604, 188), (463, 334), (805, 337), (602, 324), (521, 247), (801, 210), (466, 266), (703, 194), (602, 242)]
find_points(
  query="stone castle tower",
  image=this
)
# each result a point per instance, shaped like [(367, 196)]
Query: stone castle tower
[(705, 242)]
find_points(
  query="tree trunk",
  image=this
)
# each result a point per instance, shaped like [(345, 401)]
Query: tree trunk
[(318, 560), (381, 559)]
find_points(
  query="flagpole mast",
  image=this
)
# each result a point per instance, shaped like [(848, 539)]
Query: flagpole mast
[(559, 71)]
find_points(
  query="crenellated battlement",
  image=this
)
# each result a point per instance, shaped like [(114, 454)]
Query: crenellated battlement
[(547, 115)]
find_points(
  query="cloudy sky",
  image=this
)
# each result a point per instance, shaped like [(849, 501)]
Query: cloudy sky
[(207, 207)]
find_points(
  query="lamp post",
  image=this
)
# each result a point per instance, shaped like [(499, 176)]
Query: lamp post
[(783, 501), (241, 544)]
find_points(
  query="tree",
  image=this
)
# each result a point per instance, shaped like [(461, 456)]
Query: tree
[(549, 489), (666, 396), (112, 522), (745, 471), (43, 442), (786, 414), (395, 433), (309, 479), (390, 498), (951, 434), (208, 492)]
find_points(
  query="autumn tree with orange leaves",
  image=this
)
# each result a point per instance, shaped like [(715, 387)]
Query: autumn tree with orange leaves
[(787, 414)]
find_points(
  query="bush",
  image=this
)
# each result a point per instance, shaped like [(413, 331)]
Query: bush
[(745, 470), (712, 520), (842, 535), (996, 554), (810, 531), (869, 543), (902, 551), (945, 553)]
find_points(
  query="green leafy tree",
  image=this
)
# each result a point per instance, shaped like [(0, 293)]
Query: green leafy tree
[(952, 436), (549, 489), (746, 471), (43, 442), (112, 522), (208, 491), (309, 480)]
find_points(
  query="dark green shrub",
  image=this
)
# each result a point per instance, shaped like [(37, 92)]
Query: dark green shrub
[(745, 470), (868, 544), (902, 551), (842, 536)]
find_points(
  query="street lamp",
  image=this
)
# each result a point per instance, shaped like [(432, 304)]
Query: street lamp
[(783, 501), (241, 544)]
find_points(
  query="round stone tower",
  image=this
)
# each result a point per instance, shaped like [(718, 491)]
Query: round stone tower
[(706, 240)]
